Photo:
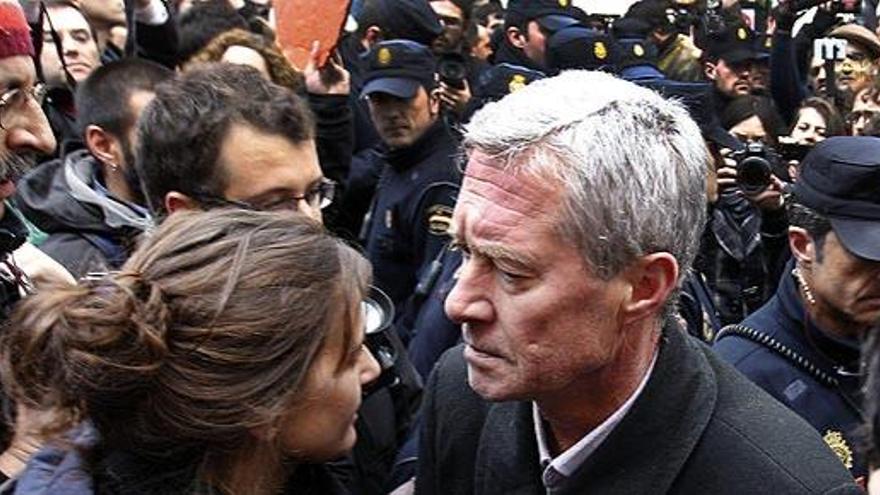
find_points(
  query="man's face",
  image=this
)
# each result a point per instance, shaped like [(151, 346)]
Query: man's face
[(25, 131), (104, 11), (535, 46), (856, 71), (864, 108), (269, 170), (846, 286), (536, 320), (731, 79), (136, 104), (401, 122), (77, 45), (452, 19)]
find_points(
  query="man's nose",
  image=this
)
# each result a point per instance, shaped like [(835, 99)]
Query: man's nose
[(467, 301), (31, 131)]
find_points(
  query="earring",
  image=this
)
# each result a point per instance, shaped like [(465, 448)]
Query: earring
[(808, 294), (113, 166)]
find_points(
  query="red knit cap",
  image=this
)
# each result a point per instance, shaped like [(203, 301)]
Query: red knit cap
[(15, 35)]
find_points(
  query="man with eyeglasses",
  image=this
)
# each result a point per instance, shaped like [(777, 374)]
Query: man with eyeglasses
[(24, 135), (866, 105), (223, 135)]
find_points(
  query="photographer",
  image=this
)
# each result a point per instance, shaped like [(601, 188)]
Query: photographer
[(745, 241)]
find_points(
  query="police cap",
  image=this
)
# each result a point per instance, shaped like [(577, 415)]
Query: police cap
[(413, 20), (840, 179), (578, 47), (500, 80), (399, 68), (552, 15)]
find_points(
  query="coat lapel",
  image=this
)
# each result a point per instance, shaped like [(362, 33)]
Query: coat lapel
[(507, 456), (648, 449)]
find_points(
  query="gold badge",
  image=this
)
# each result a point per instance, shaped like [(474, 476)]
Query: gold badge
[(384, 56), (599, 50), (708, 331), (741, 33), (439, 219), (768, 43), (838, 445), (638, 50), (563, 3), (517, 82)]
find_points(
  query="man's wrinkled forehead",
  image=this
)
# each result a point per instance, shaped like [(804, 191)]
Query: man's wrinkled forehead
[(506, 179)]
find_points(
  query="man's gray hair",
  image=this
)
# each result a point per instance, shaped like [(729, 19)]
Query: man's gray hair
[(633, 165)]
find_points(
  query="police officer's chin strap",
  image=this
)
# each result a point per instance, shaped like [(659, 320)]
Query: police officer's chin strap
[(805, 287)]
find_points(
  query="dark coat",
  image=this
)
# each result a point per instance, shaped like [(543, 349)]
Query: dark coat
[(698, 427)]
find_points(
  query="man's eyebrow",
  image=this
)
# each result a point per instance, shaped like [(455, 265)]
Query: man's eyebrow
[(501, 252)]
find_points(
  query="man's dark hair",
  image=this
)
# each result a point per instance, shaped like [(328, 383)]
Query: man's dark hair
[(816, 224), (203, 22), (103, 98), (371, 15), (483, 12), (652, 12), (182, 131)]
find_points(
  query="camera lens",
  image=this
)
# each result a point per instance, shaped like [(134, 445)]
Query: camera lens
[(753, 174)]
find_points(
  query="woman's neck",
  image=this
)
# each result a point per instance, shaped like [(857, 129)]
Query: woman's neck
[(254, 470)]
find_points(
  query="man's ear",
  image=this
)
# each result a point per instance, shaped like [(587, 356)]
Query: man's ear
[(434, 101), (709, 70), (176, 201), (515, 37), (372, 35), (103, 146), (802, 245), (651, 280)]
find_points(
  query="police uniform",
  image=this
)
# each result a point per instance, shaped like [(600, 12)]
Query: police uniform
[(412, 209), (813, 371), (803, 367), (551, 16)]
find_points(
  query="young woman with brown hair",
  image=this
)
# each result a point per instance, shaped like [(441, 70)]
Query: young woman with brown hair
[(226, 357)]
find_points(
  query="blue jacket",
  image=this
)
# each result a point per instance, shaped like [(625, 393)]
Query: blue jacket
[(828, 398)]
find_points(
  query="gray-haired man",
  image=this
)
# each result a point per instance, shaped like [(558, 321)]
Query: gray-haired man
[(580, 212)]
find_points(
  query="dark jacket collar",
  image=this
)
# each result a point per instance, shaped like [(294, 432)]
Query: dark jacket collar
[(829, 349), (13, 232), (508, 53), (507, 459)]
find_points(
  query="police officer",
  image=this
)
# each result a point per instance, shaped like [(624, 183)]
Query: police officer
[(527, 26), (803, 345), (728, 61), (412, 208)]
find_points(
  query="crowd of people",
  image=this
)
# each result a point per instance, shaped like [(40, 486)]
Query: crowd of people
[(482, 248)]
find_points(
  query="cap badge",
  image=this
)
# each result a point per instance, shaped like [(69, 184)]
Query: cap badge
[(768, 43), (564, 3), (838, 444), (517, 82), (741, 33), (599, 50), (638, 50), (384, 56)]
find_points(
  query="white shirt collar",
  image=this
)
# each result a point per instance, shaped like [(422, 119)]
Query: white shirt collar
[(557, 470)]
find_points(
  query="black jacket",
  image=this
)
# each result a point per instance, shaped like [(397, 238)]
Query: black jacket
[(88, 229), (698, 427), (832, 406)]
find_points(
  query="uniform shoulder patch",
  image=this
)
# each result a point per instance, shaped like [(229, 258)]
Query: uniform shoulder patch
[(838, 445), (439, 219)]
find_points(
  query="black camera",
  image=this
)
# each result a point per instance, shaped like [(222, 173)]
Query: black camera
[(793, 151), (755, 164), (452, 70)]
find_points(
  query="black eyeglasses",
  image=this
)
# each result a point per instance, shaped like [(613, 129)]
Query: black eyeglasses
[(16, 99), (318, 198)]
